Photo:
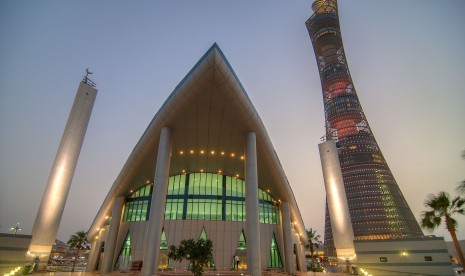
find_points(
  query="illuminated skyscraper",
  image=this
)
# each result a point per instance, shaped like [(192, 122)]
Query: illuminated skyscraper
[(378, 209)]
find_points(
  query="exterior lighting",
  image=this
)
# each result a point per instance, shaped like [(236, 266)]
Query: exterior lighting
[(98, 228), (233, 154), (242, 157), (404, 253), (237, 175), (106, 217), (183, 171), (220, 171), (222, 153), (191, 151), (131, 191), (268, 190), (201, 170), (212, 152), (181, 152), (202, 152)]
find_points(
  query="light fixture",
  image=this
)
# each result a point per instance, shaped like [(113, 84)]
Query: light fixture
[(220, 171), (242, 157), (131, 191), (237, 175), (233, 154), (222, 153), (181, 152), (201, 170), (202, 151), (191, 151), (212, 152), (183, 171)]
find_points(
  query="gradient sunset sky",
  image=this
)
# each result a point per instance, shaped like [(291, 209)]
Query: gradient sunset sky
[(406, 58)]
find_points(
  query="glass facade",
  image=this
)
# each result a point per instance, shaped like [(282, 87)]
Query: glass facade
[(274, 260), (202, 196), (124, 258), (378, 209)]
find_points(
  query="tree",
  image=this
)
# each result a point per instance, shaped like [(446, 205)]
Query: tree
[(461, 187), (440, 206), (198, 253), (313, 243), (78, 241)]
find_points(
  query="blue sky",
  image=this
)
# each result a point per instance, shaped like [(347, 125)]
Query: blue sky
[(406, 59)]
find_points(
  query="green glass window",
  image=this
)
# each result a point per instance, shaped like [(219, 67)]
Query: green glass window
[(124, 257), (274, 259), (208, 196), (241, 244), (164, 243), (203, 235)]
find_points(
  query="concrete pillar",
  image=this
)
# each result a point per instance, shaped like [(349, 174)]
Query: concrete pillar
[(157, 208), (110, 243), (301, 257), (341, 224), (92, 259), (59, 182), (254, 266), (287, 237)]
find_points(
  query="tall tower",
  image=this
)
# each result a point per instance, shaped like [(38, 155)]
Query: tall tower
[(56, 192), (378, 209)]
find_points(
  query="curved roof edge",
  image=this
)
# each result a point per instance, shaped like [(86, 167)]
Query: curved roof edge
[(146, 147)]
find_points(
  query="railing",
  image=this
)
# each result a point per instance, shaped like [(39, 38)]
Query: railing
[(86, 80)]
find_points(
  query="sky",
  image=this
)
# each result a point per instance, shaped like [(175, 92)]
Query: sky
[(406, 59)]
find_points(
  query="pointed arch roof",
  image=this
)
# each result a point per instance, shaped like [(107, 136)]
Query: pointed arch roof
[(209, 111)]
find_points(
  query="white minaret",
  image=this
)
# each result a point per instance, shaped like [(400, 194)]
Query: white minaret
[(56, 192), (338, 207)]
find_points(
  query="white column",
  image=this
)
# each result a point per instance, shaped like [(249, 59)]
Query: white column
[(110, 243), (287, 235), (254, 266), (92, 259), (338, 207), (301, 258), (157, 208), (56, 191)]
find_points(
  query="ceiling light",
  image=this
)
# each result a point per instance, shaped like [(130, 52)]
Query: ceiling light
[(222, 153), (232, 154), (212, 152), (181, 152), (202, 152), (191, 151)]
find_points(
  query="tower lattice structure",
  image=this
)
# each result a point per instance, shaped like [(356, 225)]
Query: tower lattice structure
[(378, 210)]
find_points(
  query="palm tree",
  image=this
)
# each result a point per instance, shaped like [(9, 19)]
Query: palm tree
[(461, 187), (78, 241), (313, 243), (440, 206)]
